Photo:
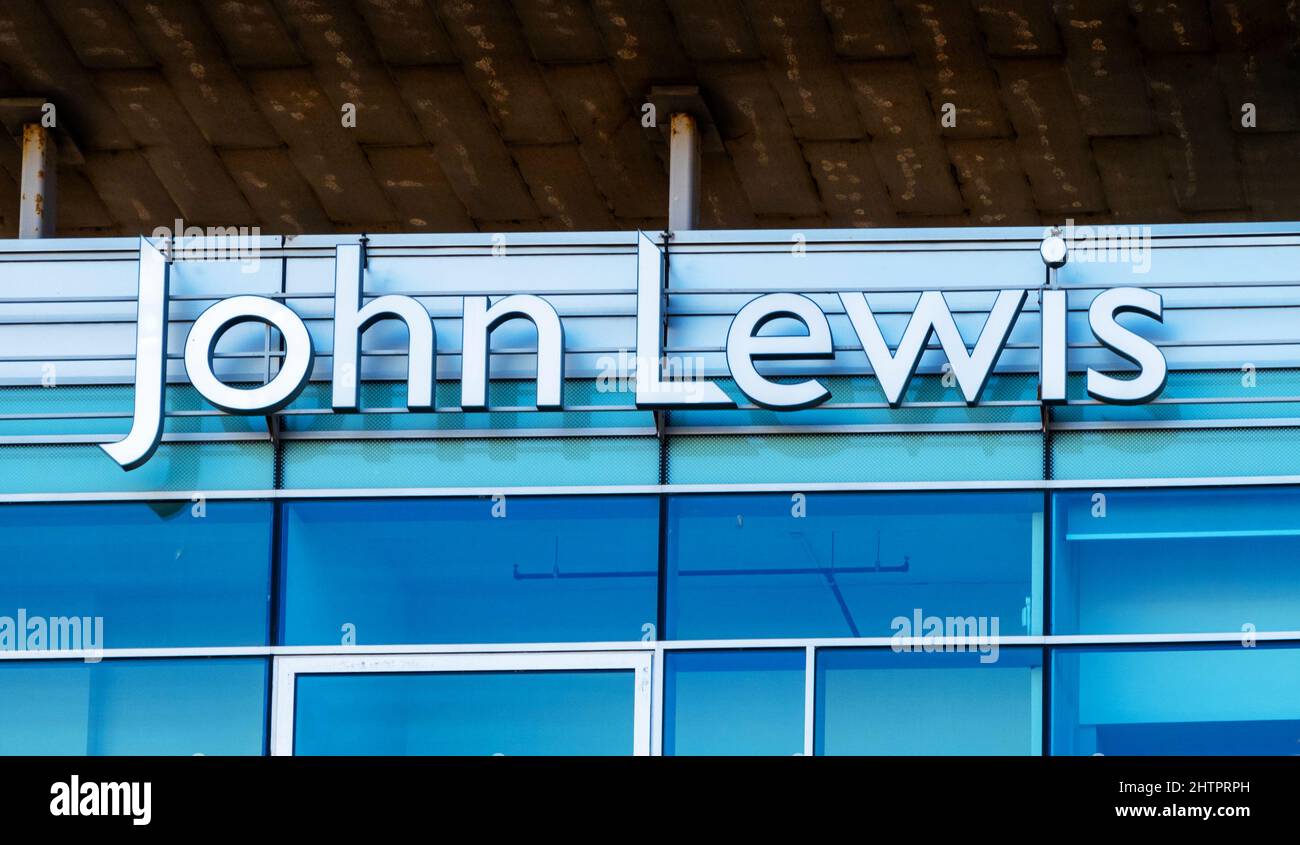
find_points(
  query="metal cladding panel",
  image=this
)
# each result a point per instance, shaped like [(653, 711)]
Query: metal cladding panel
[(1230, 292), (1231, 300)]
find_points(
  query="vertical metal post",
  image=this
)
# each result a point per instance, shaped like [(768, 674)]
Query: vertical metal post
[(683, 173), (1052, 363), (37, 211)]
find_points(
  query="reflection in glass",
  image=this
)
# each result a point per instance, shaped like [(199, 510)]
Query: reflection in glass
[(850, 564)]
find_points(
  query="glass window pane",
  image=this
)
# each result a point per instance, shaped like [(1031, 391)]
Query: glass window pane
[(734, 702), (1193, 701), (448, 571), (162, 575), (878, 701), (175, 706), (1176, 561), (851, 564), (466, 713)]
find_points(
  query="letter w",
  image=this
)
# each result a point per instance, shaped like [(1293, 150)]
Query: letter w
[(932, 315)]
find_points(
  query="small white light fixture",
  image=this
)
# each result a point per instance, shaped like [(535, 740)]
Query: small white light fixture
[(1053, 250)]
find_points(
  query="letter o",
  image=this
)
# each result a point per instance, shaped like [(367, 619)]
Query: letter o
[(279, 391)]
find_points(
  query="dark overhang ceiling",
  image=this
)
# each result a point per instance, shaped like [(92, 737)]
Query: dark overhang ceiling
[(492, 115)]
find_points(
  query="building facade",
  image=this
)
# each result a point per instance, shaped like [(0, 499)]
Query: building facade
[(934, 575)]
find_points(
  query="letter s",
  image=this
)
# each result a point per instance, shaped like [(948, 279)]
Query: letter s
[(1153, 370)]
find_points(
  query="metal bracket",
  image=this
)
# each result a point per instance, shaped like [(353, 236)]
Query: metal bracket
[(661, 417), (273, 429)]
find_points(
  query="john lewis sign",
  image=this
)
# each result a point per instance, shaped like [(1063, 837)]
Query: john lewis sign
[(747, 344)]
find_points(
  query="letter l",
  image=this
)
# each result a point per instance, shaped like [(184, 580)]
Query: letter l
[(652, 391)]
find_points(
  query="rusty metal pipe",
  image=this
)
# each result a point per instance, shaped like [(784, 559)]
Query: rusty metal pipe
[(37, 205), (683, 173)]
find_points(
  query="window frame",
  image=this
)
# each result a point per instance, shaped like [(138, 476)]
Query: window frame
[(285, 672)]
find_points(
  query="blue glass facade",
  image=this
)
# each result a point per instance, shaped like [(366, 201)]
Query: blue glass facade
[(1007, 577), (864, 623)]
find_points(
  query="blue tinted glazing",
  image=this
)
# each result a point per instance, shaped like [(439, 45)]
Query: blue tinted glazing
[(162, 575), (879, 701), (856, 563), (734, 702), (466, 713), (1176, 561), (448, 571), (1176, 701), (136, 707)]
